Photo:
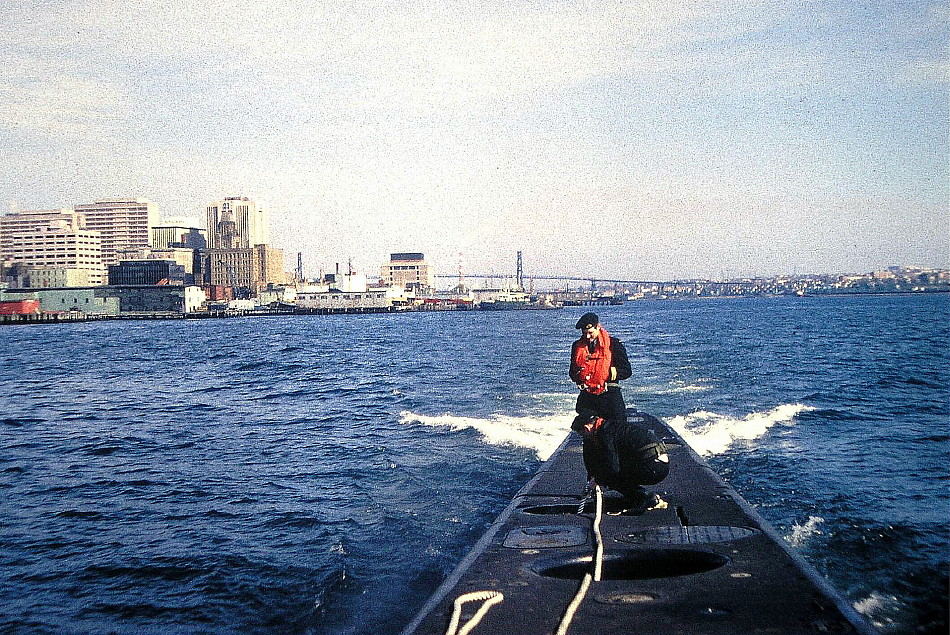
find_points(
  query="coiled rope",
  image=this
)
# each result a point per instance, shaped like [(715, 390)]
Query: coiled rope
[(598, 565), (488, 599)]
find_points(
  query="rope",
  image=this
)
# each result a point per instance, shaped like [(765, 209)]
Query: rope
[(588, 578), (598, 538), (488, 599), (580, 508), (573, 606), (588, 494)]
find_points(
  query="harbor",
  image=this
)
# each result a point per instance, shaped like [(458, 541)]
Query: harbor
[(326, 474)]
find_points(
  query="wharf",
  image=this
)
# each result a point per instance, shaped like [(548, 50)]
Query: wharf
[(706, 563), (74, 316)]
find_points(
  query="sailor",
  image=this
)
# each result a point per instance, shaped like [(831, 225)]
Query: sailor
[(598, 362), (624, 457)]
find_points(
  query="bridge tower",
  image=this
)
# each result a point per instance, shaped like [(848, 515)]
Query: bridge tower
[(519, 275), (460, 289)]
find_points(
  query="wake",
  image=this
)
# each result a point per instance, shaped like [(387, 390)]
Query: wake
[(541, 434), (706, 432), (710, 433)]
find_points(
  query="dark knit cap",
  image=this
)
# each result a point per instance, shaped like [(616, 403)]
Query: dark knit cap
[(588, 319)]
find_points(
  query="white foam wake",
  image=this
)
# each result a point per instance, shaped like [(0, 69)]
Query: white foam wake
[(711, 433), (801, 533), (876, 608), (541, 434)]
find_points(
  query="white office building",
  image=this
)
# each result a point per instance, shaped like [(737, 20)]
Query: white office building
[(55, 246), (409, 270), (122, 223), (236, 223)]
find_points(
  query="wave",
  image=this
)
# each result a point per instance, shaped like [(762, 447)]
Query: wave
[(671, 388), (541, 434), (875, 608), (801, 533), (710, 433), (679, 387)]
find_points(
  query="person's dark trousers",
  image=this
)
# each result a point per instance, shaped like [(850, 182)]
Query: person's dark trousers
[(608, 405)]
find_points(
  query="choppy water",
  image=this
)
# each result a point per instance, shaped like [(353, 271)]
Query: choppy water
[(322, 474)]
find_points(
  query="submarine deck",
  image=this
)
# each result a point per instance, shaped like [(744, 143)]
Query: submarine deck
[(705, 563)]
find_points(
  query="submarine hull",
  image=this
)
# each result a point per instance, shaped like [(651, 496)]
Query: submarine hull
[(703, 561)]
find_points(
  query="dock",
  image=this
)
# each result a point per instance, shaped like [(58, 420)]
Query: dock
[(703, 561)]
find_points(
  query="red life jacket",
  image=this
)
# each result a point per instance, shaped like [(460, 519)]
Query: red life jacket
[(593, 425), (594, 367)]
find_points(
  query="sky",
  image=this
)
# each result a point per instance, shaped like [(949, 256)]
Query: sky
[(636, 140)]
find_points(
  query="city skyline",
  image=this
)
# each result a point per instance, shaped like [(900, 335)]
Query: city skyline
[(688, 138), (181, 229)]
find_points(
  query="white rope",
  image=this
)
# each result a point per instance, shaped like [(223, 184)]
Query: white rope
[(598, 568), (573, 606), (598, 538), (488, 599)]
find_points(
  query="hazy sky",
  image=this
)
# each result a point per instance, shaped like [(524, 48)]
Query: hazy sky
[(616, 139)]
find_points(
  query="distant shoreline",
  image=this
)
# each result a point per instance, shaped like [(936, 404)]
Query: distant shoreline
[(72, 317)]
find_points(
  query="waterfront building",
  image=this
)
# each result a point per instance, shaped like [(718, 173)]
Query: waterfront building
[(350, 293), (113, 300), (190, 259), (89, 300), (236, 223), (122, 223), (218, 292), (348, 282), (409, 270), (55, 240), (277, 295), (331, 300), (19, 307), (249, 270), (147, 272), (500, 295)]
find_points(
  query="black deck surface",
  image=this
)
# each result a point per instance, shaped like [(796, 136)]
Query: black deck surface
[(706, 563)]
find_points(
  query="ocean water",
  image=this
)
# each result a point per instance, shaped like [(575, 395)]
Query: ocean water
[(323, 474)]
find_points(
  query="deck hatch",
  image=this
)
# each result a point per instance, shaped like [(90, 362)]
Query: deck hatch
[(692, 535), (545, 536), (634, 564)]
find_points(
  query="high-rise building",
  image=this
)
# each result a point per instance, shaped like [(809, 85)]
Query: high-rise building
[(236, 223), (55, 241), (123, 223), (408, 270), (250, 270), (165, 236)]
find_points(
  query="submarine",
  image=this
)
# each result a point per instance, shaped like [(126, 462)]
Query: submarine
[(558, 560)]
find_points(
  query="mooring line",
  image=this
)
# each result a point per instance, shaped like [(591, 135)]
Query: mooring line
[(588, 577), (488, 600)]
